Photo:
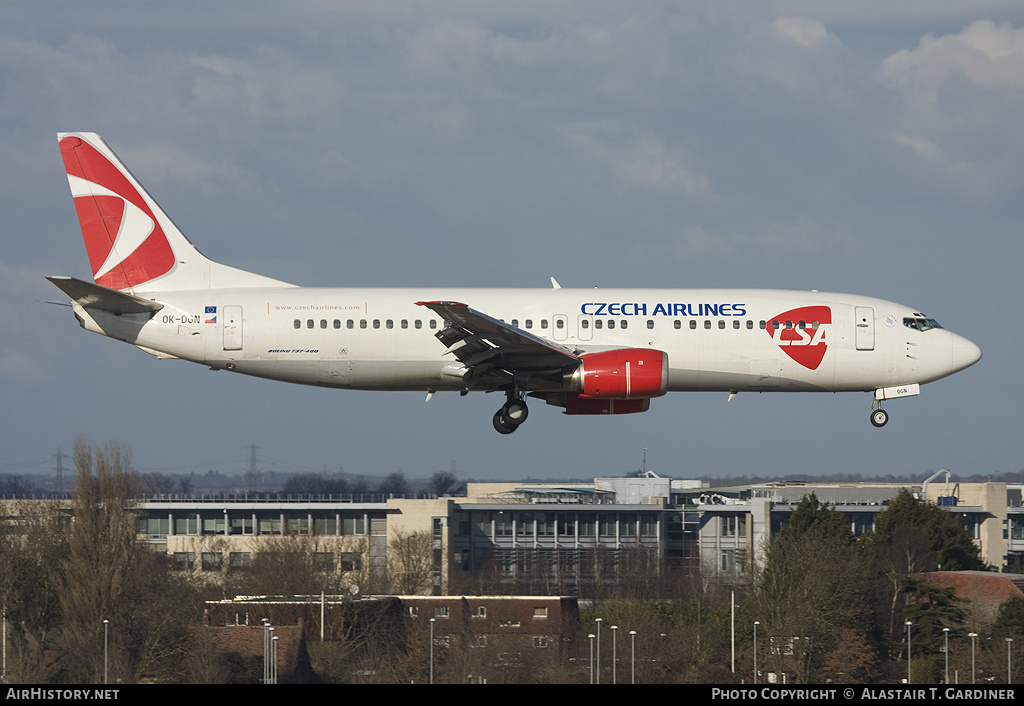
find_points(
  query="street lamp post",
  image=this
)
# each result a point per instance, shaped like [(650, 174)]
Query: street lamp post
[(1009, 665), (106, 626), (432, 650), (973, 637), (271, 662), (273, 659), (598, 621), (945, 631), (632, 656), (591, 636), (756, 623), (615, 654), (908, 652), (266, 651)]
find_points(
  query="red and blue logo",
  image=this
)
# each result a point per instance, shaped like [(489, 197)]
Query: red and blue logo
[(801, 334)]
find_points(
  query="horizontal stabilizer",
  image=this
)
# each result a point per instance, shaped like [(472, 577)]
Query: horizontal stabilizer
[(94, 296)]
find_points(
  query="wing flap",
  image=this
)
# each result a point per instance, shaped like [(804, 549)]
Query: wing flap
[(475, 338), (94, 296)]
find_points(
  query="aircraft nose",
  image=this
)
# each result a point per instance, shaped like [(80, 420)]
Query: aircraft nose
[(965, 354)]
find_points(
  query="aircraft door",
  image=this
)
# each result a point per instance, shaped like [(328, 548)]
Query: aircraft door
[(584, 332), (865, 328), (232, 328), (560, 327)]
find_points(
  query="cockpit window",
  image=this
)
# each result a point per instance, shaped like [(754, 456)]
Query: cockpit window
[(920, 324)]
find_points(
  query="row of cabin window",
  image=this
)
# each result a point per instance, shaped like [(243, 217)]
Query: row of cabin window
[(310, 323), (559, 323)]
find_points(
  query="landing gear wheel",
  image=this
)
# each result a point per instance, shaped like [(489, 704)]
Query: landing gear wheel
[(515, 412), (501, 425), (879, 417)]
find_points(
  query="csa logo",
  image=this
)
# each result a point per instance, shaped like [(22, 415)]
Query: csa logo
[(806, 345), (125, 243)]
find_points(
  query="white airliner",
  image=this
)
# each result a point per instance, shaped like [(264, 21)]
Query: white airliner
[(588, 351)]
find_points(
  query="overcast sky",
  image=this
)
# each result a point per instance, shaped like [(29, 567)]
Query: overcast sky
[(871, 147)]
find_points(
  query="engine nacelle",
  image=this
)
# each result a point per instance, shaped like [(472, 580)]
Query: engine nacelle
[(577, 404), (620, 374)]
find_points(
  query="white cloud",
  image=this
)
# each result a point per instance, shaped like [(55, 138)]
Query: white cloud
[(804, 236), (802, 31), (642, 162), (987, 54)]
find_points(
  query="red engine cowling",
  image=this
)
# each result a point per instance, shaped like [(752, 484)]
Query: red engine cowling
[(621, 374)]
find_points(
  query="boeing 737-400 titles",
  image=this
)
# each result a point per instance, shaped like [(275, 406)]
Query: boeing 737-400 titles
[(588, 351)]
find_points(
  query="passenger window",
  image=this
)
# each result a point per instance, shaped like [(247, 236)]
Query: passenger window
[(678, 324), (529, 323), (597, 323), (323, 323), (405, 323), (736, 324), (376, 323), (389, 323), (433, 323), (693, 324), (611, 323), (721, 324), (418, 324), (543, 323), (707, 324), (650, 323), (337, 323), (561, 324), (298, 324), (362, 323), (515, 323), (309, 323), (623, 323), (350, 324), (750, 325), (789, 325), (802, 325)]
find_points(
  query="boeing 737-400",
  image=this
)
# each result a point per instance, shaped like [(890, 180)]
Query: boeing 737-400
[(588, 351)]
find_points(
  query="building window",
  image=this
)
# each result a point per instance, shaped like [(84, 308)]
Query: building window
[(480, 611), (441, 611), (323, 561), (351, 561), (540, 613), (540, 641), (183, 561), (239, 560), (212, 561), (733, 525)]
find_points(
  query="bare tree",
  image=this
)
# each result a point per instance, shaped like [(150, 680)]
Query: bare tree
[(109, 576), (33, 547), (410, 562)]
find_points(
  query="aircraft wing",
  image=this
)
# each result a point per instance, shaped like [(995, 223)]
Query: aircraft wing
[(476, 339)]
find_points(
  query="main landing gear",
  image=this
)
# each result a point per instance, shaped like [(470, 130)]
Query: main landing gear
[(513, 413)]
